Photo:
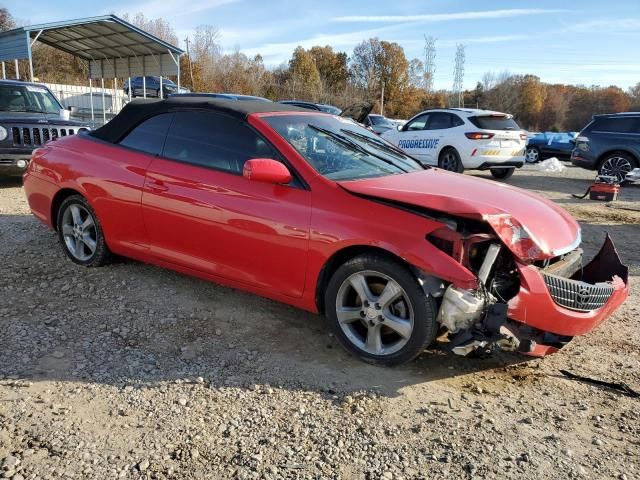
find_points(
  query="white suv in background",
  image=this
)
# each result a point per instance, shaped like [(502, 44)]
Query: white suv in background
[(456, 139)]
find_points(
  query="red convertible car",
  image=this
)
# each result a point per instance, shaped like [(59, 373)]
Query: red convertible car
[(317, 212)]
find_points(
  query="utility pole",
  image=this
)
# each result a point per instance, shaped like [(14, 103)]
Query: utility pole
[(382, 99), (190, 65), (429, 62), (458, 75)]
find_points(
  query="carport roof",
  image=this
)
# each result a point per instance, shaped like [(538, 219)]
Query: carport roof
[(97, 39)]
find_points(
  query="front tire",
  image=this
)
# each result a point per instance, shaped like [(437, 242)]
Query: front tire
[(378, 310), (617, 165), (502, 173), (80, 233), (449, 160)]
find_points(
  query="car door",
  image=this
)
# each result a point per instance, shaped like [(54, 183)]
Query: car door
[(201, 212), (410, 137), (118, 193), (436, 131)]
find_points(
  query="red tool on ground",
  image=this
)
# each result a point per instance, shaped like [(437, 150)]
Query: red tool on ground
[(604, 188)]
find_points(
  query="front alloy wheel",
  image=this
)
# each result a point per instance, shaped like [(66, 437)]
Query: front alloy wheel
[(80, 233), (618, 166), (379, 311)]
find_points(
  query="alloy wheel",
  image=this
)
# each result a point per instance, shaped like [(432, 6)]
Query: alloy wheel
[(374, 312), (449, 162), (79, 232), (532, 155), (616, 166)]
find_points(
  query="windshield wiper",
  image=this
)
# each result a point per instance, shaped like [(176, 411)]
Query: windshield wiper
[(379, 143), (355, 146), (35, 110)]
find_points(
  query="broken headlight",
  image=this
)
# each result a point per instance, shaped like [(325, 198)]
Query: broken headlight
[(515, 236)]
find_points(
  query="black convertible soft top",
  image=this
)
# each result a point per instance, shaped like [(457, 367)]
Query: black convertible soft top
[(140, 109)]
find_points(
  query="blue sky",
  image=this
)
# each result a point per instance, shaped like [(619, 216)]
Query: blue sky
[(579, 42)]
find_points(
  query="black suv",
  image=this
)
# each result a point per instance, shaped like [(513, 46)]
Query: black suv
[(30, 115), (152, 86), (610, 144)]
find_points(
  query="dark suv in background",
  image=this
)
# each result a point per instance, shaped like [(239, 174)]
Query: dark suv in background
[(30, 116), (610, 144), (152, 86)]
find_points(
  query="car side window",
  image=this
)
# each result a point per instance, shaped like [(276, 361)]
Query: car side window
[(213, 140), (149, 136), (439, 121), (617, 125), (456, 121), (418, 123)]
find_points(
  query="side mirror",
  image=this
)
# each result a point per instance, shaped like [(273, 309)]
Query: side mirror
[(266, 170), (400, 128)]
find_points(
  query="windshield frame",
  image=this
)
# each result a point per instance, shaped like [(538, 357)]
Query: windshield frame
[(341, 156), (29, 92)]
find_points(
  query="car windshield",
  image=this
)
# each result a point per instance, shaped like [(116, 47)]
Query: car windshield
[(27, 98), (339, 149), (380, 120)]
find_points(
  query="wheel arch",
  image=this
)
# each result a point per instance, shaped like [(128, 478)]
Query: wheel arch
[(446, 147), (624, 151), (60, 196), (343, 255)]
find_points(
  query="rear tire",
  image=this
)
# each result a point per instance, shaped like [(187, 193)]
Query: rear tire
[(502, 173), (617, 165), (533, 155), (80, 233), (393, 324), (449, 160)]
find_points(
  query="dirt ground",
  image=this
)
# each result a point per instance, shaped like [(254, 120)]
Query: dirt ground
[(131, 371)]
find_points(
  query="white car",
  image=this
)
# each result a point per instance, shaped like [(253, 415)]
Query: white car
[(456, 139)]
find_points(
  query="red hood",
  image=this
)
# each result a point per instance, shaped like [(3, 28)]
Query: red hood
[(553, 229)]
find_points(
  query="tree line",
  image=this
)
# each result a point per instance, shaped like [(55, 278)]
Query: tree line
[(377, 71)]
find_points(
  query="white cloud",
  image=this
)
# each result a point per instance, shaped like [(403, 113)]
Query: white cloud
[(446, 17), (615, 25)]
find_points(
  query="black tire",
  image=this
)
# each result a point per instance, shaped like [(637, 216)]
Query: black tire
[(412, 299), (449, 159), (502, 173), (533, 155), (617, 164), (100, 255)]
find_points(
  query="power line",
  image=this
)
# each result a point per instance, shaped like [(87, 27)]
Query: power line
[(458, 74), (429, 62)]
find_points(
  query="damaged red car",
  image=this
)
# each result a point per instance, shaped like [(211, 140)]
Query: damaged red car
[(317, 212)]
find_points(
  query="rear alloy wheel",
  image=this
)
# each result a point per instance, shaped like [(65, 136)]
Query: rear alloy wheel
[(617, 165), (450, 160), (502, 173), (532, 155), (80, 233), (379, 311)]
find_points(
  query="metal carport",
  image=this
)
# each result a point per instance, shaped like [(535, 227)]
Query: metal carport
[(113, 47)]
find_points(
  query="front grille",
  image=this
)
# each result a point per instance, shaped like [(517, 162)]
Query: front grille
[(577, 295), (34, 136)]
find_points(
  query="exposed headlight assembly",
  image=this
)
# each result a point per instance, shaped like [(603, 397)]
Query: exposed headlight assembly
[(516, 237), (3, 133)]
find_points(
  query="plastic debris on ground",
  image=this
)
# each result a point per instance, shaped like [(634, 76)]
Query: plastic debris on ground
[(633, 175), (550, 165)]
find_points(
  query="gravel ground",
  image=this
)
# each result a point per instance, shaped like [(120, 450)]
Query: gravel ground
[(131, 371)]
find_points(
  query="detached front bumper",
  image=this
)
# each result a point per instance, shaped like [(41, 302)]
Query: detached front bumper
[(553, 309)]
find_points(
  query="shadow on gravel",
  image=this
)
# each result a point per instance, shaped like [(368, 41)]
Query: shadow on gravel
[(10, 182), (131, 323)]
